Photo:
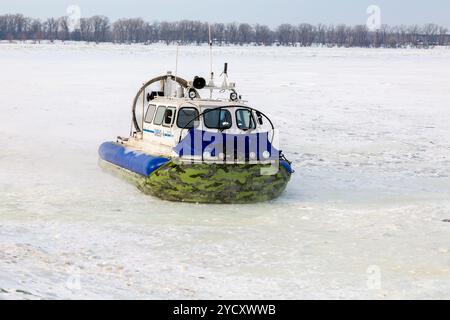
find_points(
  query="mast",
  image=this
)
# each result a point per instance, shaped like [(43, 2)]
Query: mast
[(211, 81), (176, 62)]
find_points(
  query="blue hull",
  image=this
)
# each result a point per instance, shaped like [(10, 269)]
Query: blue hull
[(132, 160)]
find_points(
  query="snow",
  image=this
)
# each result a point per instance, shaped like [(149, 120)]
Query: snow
[(368, 132)]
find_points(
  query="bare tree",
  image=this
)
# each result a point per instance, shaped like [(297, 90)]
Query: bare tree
[(231, 33), (246, 34), (443, 36), (51, 28), (263, 35), (64, 29), (36, 30), (218, 31), (86, 29), (321, 34), (341, 35), (306, 34), (413, 35), (99, 29), (286, 35), (430, 32)]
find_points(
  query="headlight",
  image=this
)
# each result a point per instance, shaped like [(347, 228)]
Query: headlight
[(192, 94)]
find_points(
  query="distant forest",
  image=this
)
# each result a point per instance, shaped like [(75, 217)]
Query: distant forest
[(101, 29)]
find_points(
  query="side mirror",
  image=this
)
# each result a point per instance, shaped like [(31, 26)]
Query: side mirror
[(260, 118)]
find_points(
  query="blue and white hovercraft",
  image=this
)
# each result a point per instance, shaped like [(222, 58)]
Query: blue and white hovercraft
[(184, 147)]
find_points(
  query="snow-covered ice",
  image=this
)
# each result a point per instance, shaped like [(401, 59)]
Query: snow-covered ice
[(363, 217)]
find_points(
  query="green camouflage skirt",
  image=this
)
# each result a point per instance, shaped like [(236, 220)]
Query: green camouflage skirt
[(210, 183)]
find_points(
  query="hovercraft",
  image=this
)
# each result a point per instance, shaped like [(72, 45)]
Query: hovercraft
[(185, 147)]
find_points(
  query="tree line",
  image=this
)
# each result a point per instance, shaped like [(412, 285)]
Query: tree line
[(136, 30)]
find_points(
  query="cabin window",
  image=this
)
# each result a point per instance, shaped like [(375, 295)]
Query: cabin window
[(217, 119), (150, 113), (244, 119), (159, 117), (169, 115), (187, 118)]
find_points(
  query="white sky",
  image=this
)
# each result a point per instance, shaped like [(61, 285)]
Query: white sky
[(270, 12)]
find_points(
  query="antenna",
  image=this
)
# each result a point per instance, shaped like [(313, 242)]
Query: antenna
[(210, 51), (211, 82), (176, 62)]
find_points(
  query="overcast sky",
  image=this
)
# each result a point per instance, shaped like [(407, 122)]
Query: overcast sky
[(270, 12)]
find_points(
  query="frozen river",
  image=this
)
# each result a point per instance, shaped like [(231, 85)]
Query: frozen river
[(368, 131)]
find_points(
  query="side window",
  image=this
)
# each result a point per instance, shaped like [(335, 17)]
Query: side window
[(217, 119), (150, 113), (244, 119), (187, 118), (168, 117), (159, 117)]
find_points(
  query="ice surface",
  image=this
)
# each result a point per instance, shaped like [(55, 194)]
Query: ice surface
[(367, 129)]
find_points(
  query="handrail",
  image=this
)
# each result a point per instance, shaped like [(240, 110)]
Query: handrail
[(223, 107)]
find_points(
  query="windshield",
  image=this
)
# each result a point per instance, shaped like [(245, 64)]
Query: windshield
[(217, 119), (245, 120), (187, 117)]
